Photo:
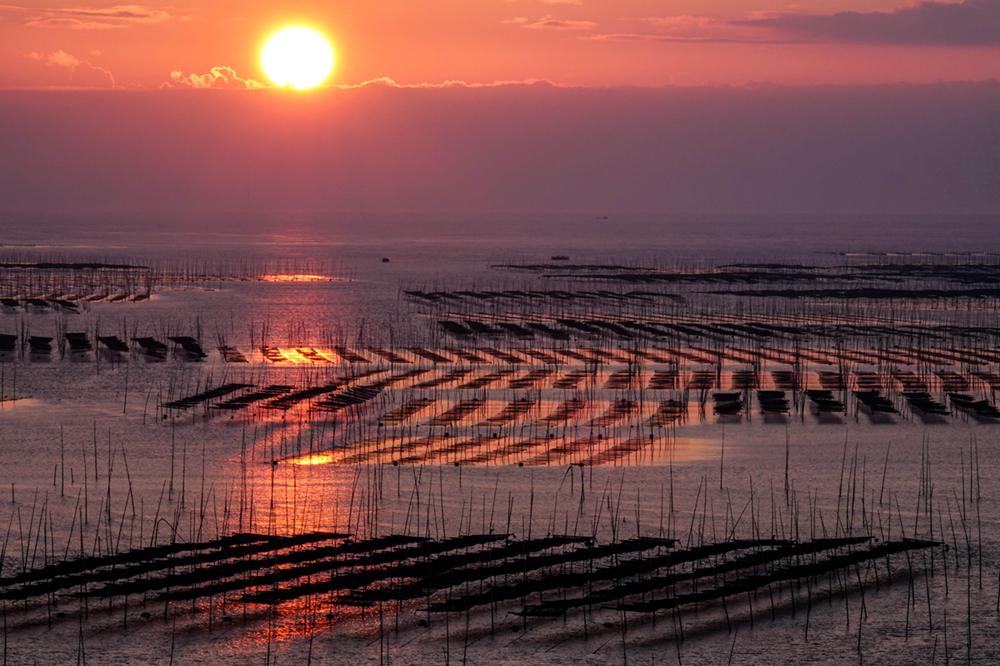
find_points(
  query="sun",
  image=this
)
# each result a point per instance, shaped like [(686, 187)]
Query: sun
[(297, 57)]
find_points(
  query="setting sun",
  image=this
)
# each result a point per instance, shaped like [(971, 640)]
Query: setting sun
[(700, 258), (297, 57)]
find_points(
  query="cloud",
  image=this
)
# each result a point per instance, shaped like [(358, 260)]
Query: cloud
[(82, 73), (574, 3), (964, 23), (217, 77), (86, 18), (386, 82), (68, 24), (689, 28), (226, 77), (693, 28), (56, 59), (686, 39), (132, 13), (716, 37), (681, 22), (959, 23), (549, 22)]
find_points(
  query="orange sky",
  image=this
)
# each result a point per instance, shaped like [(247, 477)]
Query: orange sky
[(578, 42)]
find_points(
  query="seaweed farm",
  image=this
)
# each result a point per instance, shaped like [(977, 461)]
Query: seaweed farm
[(313, 453)]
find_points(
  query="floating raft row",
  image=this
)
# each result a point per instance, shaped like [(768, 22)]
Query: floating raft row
[(152, 347), (408, 410), (445, 379), (668, 412), (232, 354), (980, 408), (132, 564), (955, 371), (571, 379), (758, 554), (750, 554), (350, 356), (79, 342), (191, 347), (389, 355), (952, 382), (728, 404), (351, 397), (113, 343), (311, 355), (482, 408), (270, 392), (663, 380), (429, 355), (456, 574), (205, 396), (874, 402), (922, 402), (773, 402), (515, 559), (458, 412), (531, 379), (40, 345), (65, 305), (824, 401), (618, 411), (394, 379), (791, 572), (273, 354), (289, 400)]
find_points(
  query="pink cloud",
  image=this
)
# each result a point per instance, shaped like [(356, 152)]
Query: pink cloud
[(549, 22), (81, 72), (217, 77), (964, 23), (86, 18)]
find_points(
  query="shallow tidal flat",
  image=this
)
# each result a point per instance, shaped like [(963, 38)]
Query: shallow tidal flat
[(618, 460)]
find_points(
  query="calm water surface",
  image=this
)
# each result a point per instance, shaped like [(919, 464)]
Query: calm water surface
[(194, 471)]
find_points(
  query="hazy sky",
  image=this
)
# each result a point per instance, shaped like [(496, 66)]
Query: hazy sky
[(508, 148), (581, 42), (641, 105)]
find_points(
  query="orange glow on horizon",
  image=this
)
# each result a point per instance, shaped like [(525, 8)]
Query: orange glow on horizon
[(625, 43)]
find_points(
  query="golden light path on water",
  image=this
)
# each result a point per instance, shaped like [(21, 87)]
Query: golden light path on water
[(314, 459), (297, 277)]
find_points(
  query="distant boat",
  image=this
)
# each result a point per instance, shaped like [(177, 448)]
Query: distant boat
[(385, 260), (559, 257)]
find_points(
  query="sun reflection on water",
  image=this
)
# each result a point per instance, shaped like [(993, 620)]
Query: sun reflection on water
[(297, 277), (313, 459)]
